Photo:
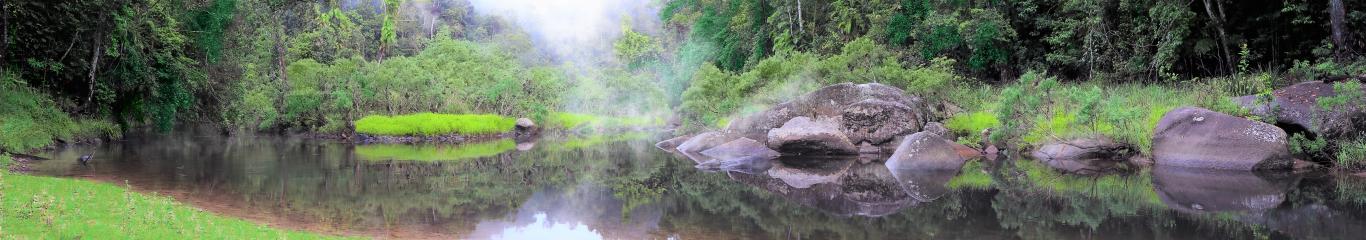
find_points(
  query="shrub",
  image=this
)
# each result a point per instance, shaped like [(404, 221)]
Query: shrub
[(432, 124)]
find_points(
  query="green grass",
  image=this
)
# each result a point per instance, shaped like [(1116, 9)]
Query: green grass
[(432, 153), (971, 177), (54, 208), (1127, 113), (1352, 153), (432, 124)]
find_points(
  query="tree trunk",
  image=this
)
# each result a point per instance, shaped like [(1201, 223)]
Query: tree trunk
[(1217, 19), (4, 34), (1337, 18), (94, 67)]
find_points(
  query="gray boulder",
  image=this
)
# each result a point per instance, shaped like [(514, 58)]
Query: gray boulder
[(672, 143), (877, 121), (742, 147), (703, 142), (925, 151), (1299, 105), (938, 129), (1091, 155), (525, 123), (801, 135), (872, 112), (1200, 138)]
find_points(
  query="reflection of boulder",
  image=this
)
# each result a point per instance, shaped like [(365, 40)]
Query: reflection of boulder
[(924, 185), (807, 172), (1200, 138), (1313, 221), (1209, 190), (837, 186), (745, 164)]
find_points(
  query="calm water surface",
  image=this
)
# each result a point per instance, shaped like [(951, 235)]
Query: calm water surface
[(621, 187)]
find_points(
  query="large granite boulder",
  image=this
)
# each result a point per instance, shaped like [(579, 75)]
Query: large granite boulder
[(1299, 105), (863, 113), (877, 121), (1200, 138), (802, 135), (925, 151), (742, 147), (1091, 155)]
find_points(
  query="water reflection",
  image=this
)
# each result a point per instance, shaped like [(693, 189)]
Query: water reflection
[(621, 187), (1200, 190)]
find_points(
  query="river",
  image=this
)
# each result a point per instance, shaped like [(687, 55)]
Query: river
[(621, 187)]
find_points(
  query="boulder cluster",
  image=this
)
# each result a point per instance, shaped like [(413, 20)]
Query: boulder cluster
[(881, 123), (873, 121)]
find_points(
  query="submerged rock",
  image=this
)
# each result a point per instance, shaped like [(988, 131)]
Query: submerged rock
[(801, 135), (1216, 190), (742, 147), (926, 151), (1086, 155), (1299, 105), (1200, 138)]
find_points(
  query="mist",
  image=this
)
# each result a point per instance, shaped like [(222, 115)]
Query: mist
[(577, 31)]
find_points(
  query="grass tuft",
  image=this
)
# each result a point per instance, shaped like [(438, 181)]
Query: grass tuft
[(1352, 153), (432, 124)]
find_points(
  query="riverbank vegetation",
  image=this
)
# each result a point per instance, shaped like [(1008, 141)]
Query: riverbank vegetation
[(1032, 71), (46, 207)]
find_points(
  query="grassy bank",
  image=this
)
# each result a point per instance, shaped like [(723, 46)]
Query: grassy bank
[(30, 120), (1041, 109), (433, 124), (53, 208)]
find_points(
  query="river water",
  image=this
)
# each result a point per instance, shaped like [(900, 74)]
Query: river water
[(621, 187)]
